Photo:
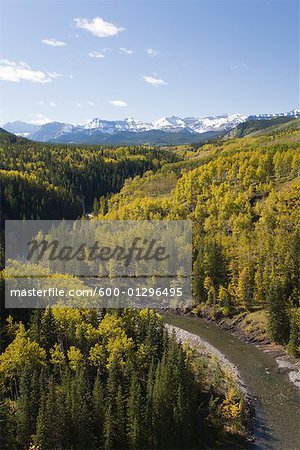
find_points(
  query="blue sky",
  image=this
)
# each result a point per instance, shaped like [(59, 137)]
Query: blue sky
[(72, 61)]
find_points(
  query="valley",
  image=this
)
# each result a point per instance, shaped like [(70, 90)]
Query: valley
[(242, 195)]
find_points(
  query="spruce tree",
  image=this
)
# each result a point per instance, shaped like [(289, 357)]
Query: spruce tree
[(114, 424), (149, 409), (278, 318), (98, 410), (294, 340), (51, 419), (7, 427), (48, 330), (83, 436), (120, 421), (135, 415), (25, 419)]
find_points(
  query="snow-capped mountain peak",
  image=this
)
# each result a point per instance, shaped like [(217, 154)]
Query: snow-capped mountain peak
[(172, 123), (99, 130), (115, 126), (195, 125), (295, 113), (137, 125)]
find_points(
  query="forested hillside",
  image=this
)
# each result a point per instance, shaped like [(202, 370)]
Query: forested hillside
[(244, 204), (84, 379), (77, 174)]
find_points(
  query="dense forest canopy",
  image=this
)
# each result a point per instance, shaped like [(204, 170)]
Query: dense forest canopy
[(83, 380), (77, 174)]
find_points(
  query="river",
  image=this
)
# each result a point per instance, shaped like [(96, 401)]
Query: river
[(276, 400)]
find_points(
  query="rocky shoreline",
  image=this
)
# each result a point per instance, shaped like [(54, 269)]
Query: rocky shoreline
[(202, 346), (286, 363)]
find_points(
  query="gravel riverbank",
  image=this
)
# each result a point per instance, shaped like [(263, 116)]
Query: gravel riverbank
[(205, 348), (286, 363)]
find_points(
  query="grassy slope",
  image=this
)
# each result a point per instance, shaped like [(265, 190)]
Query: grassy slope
[(277, 128), (262, 127)]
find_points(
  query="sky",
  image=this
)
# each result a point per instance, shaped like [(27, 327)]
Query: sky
[(71, 61)]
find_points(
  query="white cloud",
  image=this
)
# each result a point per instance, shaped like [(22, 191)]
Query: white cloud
[(126, 51), (154, 81), (71, 77), (96, 55), (91, 103), (50, 103), (40, 120), (54, 43), (15, 72), (79, 105), (152, 52), (98, 27), (238, 66), (119, 103)]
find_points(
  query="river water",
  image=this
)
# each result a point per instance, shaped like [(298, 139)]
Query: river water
[(276, 399)]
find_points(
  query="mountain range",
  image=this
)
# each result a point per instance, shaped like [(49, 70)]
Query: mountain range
[(167, 130)]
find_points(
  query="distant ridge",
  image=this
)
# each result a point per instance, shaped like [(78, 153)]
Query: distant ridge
[(167, 130), (10, 138)]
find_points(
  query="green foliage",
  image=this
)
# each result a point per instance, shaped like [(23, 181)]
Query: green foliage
[(25, 196), (7, 426), (28, 404), (56, 181), (278, 317), (149, 398), (294, 339)]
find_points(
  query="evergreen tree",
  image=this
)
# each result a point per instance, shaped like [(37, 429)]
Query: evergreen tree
[(120, 421), (50, 421), (199, 276), (48, 330), (81, 411), (149, 410), (98, 410), (215, 263), (95, 206), (114, 425), (7, 427), (27, 405), (294, 340), (135, 415), (278, 318)]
